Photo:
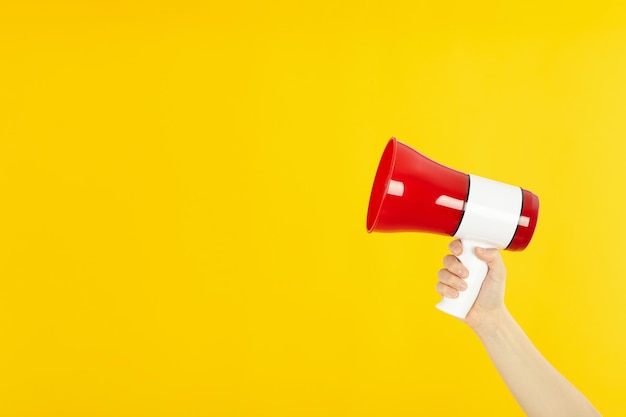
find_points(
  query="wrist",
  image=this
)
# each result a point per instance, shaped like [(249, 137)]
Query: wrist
[(491, 321)]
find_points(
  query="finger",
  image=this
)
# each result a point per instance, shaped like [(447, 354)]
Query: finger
[(456, 247), (455, 266), (449, 279), (446, 291), (493, 259)]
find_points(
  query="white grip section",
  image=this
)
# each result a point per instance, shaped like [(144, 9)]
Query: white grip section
[(459, 307)]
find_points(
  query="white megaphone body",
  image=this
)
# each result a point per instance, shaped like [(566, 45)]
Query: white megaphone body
[(412, 193)]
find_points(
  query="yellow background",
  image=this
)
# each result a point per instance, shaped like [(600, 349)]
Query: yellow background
[(184, 186)]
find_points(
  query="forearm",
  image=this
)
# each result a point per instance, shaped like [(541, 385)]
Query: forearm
[(537, 386)]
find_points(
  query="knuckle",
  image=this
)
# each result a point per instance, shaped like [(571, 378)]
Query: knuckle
[(444, 276), (455, 246), (451, 292), (449, 261), (453, 265), (460, 284), (440, 289), (446, 291), (441, 274)]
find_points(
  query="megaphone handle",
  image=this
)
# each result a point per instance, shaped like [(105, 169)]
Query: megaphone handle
[(459, 307)]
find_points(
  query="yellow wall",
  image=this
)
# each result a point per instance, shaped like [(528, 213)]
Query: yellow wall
[(184, 187)]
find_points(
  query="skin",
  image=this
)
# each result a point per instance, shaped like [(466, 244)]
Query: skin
[(537, 386)]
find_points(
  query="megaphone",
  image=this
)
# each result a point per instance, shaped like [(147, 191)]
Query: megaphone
[(412, 193)]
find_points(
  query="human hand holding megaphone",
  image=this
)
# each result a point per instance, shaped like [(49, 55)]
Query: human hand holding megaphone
[(412, 193)]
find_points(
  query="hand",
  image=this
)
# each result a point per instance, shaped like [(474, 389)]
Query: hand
[(490, 300)]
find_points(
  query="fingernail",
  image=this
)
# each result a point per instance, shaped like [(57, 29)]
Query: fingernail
[(462, 285), (480, 250)]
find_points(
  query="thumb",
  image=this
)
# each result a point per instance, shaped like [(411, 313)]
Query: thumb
[(493, 258)]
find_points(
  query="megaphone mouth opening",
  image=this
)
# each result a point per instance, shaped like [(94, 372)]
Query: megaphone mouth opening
[(381, 184)]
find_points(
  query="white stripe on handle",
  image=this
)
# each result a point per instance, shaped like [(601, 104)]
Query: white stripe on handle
[(492, 212), (459, 307)]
